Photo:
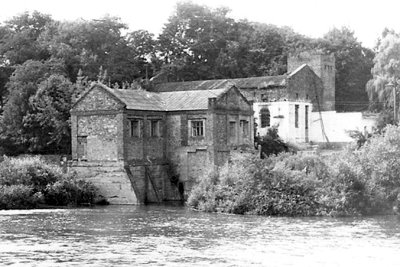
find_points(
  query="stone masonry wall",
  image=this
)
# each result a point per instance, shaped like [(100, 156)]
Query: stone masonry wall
[(110, 178), (101, 132), (97, 99)]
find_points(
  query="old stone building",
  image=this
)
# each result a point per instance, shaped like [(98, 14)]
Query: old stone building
[(141, 146)]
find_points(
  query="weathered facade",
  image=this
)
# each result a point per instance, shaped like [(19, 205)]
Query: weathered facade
[(285, 101), (139, 146)]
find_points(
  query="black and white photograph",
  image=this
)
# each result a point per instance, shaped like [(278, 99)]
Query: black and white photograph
[(200, 133)]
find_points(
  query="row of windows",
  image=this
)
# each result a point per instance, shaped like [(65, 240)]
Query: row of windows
[(136, 126), (197, 128)]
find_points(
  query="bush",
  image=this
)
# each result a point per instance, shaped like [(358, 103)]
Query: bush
[(31, 171), (353, 182), (272, 144), (254, 187), (70, 191), (29, 181), (19, 197)]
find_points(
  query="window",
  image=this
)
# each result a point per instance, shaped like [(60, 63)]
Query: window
[(265, 117), (232, 131), (306, 117), (297, 96), (154, 128), (134, 129), (82, 147), (264, 97), (296, 116), (197, 128), (244, 126)]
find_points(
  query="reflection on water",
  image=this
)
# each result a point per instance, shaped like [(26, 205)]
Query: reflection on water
[(176, 236)]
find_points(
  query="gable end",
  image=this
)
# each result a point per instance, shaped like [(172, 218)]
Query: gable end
[(98, 98)]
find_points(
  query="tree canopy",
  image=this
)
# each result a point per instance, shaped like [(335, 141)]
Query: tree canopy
[(45, 64)]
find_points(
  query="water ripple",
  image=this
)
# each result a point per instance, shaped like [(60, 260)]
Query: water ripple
[(175, 236)]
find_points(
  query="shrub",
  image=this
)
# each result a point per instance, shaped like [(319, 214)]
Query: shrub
[(26, 182), (69, 191), (252, 186), (19, 197), (352, 182), (272, 144), (31, 171)]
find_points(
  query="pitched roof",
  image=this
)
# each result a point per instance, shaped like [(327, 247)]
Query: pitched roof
[(139, 99), (165, 101), (189, 100), (241, 83)]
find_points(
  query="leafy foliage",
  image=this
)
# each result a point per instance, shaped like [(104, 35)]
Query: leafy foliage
[(30, 181), (353, 68), (352, 182), (386, 69)]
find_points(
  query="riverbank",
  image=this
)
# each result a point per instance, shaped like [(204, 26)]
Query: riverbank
[(361, 181), (31, 182)]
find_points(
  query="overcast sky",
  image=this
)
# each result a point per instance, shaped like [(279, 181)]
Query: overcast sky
[(309, 17)]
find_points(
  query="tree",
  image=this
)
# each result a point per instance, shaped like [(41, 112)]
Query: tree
[(192, 40), (19, 38), (89, 45), (353, 65), (386, 69), (47, 124), (22, 85)]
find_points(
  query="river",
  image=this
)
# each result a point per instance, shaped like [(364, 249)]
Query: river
[(177, 236)]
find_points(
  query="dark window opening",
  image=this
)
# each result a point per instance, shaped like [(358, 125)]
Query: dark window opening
[(135, 128), (264, 98), (244, 125), (265, 117), (232, 131), (154, 128), (296, 116)]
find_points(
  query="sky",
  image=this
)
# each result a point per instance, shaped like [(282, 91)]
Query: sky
[(312, 18)]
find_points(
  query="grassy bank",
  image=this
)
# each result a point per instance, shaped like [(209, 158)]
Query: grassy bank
[(30, 182), (363, 181)]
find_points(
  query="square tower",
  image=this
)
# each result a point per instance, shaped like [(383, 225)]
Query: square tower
[(324, 66)]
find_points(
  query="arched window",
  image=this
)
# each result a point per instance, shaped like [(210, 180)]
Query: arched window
[(265, 117)]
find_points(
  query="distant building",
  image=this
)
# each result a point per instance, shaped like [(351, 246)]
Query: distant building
[(140, 146), (285, 101), (300, 104)]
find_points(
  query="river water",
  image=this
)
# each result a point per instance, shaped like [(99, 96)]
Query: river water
[(177, 236)]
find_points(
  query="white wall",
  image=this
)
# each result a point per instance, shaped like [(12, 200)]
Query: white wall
[(283, 117), (337, 124)]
